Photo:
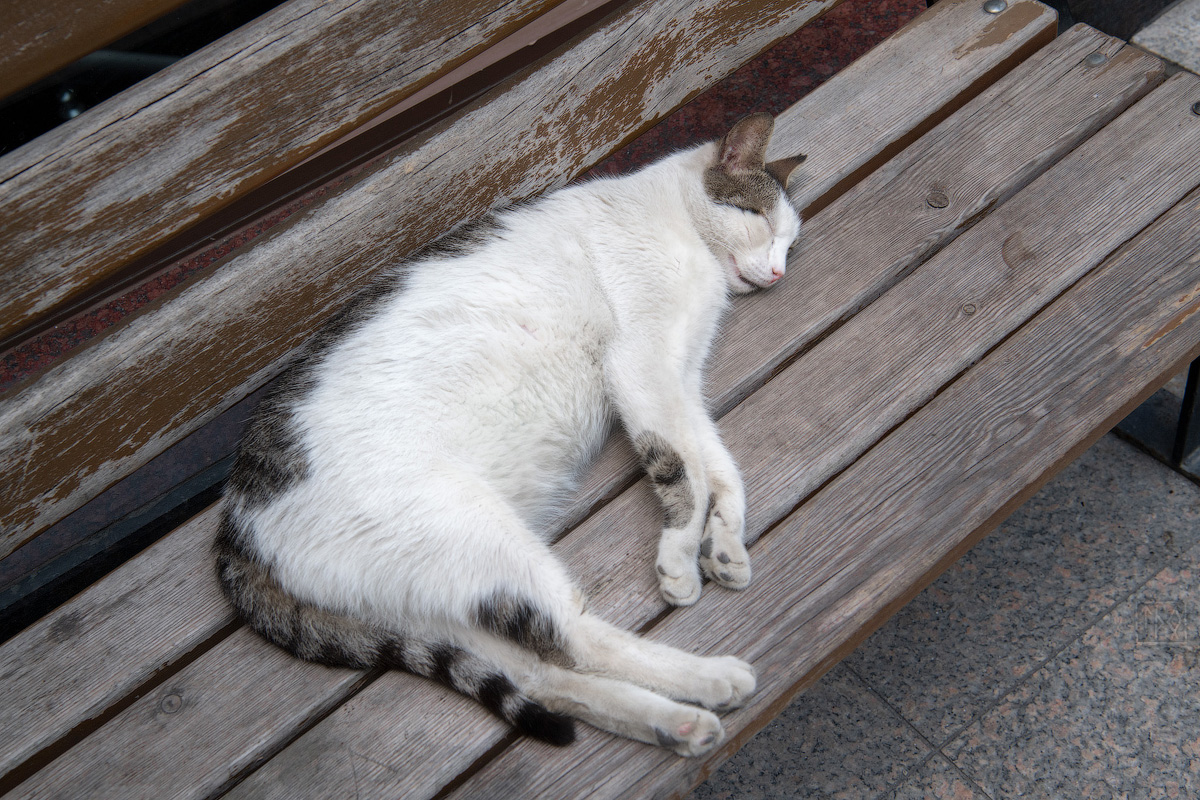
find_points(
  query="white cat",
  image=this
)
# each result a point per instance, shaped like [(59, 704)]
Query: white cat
[(389, 500)]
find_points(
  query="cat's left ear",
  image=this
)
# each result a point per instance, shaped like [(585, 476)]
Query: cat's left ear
[(744, 148), (782, 169)]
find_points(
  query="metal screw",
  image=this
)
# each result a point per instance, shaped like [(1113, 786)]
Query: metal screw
[(969, 308), (937, 199), (994, 6), (1095, 59), (1196, 109), (171, 703)]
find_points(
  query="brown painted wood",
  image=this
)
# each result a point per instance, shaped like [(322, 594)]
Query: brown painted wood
[(883, 528), (80, 428), (615, 568), (103, 644), (90, 196), (38, 39), (400, 688)]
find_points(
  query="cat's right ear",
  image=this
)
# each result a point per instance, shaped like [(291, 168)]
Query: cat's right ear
[(744, 148)]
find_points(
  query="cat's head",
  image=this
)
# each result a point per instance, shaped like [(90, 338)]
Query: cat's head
[(754, 221)]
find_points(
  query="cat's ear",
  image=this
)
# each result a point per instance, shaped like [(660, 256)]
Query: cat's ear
[(744, 148), (782, 168)]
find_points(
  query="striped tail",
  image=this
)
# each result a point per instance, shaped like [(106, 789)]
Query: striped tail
[(337, 640)]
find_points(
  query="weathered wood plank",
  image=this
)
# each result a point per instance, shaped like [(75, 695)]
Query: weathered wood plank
[(842, 120), (105, 643), (1117, 87), (41, 38), (148, 750), (615, 569), (859, 548), (85, 199), (80, 428)]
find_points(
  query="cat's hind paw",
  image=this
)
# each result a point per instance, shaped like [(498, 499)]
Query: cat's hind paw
[(694, 733), (726, 683)]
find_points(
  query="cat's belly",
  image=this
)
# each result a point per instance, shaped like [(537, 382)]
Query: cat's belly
[(518, 403)]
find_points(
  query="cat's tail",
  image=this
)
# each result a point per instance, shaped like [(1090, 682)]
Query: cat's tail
[(315, 634)]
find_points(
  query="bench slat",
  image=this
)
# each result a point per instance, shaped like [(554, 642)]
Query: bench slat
[(109, 640), (85, 199), (41, 38), (79, 429), (923, 61), (1060, 129), (369, 729), (846, 558)]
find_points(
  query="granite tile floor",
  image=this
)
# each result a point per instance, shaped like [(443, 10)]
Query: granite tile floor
[(1060, 658)]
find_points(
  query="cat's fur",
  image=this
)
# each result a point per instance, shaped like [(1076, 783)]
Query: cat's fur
[(389, 500)]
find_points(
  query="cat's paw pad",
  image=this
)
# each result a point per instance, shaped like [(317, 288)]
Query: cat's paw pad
[(681, 590), (725, 682), (692, 732), (725, 561)]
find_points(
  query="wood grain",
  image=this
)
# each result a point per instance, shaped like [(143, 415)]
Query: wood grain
[(614, 568), (395, 689), (943, 58), (884, 528), (109, 640), (88, 197), (153, 748), (80, 428), (40, 38)]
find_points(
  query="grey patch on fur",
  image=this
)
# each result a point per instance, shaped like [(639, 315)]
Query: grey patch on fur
[(271, 458), (520, 621), (706, 547), (723, 558), (665, 739), (661, 571), (725, 576), (752, 190), (669, 477), (304, 630)]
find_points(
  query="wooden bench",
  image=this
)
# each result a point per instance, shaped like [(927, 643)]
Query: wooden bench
[(999, 261)]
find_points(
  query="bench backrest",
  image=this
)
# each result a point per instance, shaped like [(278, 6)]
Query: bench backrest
[(88, 199)]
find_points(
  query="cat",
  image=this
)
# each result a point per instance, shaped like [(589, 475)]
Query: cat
[(389, 501)]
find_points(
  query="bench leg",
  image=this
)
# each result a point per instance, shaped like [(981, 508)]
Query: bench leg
[(1187, 432)]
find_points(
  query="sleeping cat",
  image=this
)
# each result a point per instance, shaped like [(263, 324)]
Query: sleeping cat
[(389, 501)]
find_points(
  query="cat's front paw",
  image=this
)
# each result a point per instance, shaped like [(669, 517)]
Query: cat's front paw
[(723, 556), (678, 581)]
